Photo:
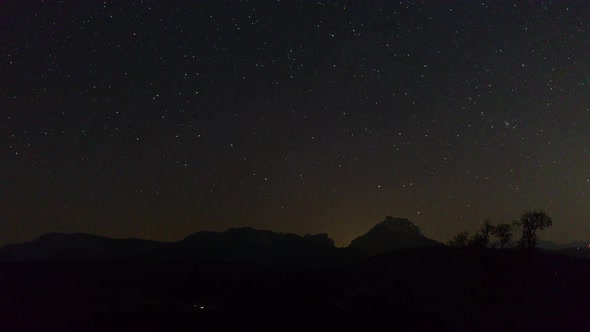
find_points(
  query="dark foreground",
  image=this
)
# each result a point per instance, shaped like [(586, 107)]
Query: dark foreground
[(430, 289)]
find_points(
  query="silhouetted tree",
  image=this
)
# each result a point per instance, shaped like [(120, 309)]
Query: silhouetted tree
[(503, 232), (481, 238), (485, 231), (531, 221), (477, 241), (460, 240), (487, 225)]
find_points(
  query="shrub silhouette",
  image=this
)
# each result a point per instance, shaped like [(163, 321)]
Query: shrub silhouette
[(482, 238), (460, 240), (503, 232)]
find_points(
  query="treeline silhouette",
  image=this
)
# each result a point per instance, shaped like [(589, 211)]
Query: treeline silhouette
[(500, 235)]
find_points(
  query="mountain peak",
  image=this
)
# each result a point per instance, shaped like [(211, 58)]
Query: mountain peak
[(391, 224), (389, 235)]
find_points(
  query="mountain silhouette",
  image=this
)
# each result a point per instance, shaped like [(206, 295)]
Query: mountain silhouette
[(78, 246), (390, 235), (261, 246), (250, 237), (245, 244), (235, 244)]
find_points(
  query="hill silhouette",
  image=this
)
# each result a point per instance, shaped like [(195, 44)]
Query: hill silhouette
[(544, 244), (77, 246)]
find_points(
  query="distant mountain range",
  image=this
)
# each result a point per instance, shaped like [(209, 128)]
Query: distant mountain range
[(241, 244), (236, 244)]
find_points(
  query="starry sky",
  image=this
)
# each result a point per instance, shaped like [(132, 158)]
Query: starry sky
[(158, 119)]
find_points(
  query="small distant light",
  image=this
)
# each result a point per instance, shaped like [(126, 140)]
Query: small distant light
[(202, 307)]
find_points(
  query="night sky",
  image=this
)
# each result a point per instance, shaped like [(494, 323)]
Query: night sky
[(158, 119)]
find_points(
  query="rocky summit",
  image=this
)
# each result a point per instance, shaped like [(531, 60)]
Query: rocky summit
[(389, 235)]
